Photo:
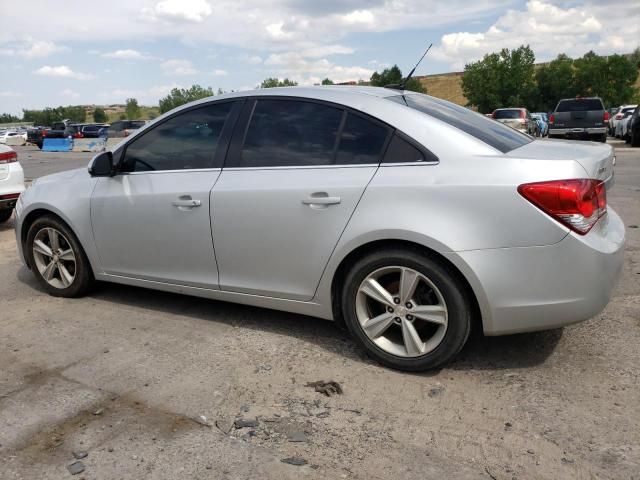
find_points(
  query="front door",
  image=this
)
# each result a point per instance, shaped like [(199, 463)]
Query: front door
[(151, 220), (292, 179)]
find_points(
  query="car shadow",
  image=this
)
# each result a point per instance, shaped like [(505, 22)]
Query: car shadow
[(480, 352)]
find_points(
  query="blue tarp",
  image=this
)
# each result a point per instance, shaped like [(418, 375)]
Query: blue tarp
[(57, 145)]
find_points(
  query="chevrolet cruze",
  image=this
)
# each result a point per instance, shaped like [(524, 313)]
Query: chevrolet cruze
[(408, 218)]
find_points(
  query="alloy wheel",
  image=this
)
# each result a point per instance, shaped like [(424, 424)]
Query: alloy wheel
[(54, 258), (401, 311)]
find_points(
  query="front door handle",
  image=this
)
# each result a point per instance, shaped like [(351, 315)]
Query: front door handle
[(186, 202), (318, 199)]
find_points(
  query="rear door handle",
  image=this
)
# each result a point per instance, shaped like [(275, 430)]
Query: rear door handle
[(321, 200)]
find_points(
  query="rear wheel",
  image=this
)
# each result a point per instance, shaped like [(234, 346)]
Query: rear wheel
[(57, 258), (635, 139), (5, 214), (406, 310)]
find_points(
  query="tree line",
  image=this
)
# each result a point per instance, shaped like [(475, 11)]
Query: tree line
[(510, 78)]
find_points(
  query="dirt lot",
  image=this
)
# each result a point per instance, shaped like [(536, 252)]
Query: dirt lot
[(125, 375)]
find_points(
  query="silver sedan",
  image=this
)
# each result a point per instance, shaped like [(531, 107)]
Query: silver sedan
[(409, 219)]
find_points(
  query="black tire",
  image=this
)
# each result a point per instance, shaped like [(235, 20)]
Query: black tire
[(603, 138), (635, 139), (5, 214), (83, 275), (446, 281)]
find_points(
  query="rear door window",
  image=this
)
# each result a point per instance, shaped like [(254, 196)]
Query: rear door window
[(505, 114), (362, 141), (487, 130), (286, 133)]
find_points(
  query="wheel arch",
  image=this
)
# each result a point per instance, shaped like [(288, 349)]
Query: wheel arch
[(30, 219), (354, 255)]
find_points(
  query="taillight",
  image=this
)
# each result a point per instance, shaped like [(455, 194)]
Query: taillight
[(552, 118), (606, 116), (577, 203), (8, 157), (618, 116), (78, 135)]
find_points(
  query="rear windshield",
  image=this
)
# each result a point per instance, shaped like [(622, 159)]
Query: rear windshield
[(580, 105), (500, 114), (485, 129)]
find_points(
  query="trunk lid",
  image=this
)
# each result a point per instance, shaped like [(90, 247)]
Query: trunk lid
[(597, 159)]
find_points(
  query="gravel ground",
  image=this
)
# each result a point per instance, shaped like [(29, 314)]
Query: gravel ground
[(149, 385)]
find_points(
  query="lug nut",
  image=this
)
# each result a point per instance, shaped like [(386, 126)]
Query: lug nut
[(410, 318), (396, 300), (397, 319), (390, 309), (409, 305)]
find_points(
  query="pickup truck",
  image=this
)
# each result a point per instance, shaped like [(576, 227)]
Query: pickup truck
[(579, 118)]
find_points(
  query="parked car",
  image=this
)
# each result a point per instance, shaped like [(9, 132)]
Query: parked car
[(6, 136), (443, 218), (621, 124), (11, 181), (124, 128), (64, 129), (35, 135), (612, 114), (634, 128), (92, 130), (579, 118), (518, 118), (620, 111), (543, 125)]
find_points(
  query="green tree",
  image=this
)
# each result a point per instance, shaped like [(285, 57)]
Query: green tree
[(49, 115), (132, 109), (611, 78), (393, 76), (8, 118), (99, 115), (327, 81), (499, 80), (273, 82), (180, 96), (555, 81)]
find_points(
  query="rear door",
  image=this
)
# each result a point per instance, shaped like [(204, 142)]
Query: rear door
[(294, 175)]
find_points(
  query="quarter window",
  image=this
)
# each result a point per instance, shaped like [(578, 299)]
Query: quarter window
[(402, 151), (186, 141), (290, 133), (361, 142)]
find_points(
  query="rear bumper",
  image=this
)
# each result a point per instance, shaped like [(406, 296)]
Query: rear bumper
[(578, 131), (11, 184), (540, 288)]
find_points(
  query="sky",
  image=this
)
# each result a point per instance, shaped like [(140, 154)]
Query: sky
[(78, 52)]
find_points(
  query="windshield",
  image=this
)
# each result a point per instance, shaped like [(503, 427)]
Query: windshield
[(485, 129), (502, 114)]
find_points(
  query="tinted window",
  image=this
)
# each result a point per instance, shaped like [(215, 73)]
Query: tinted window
[(186, 141), (501, 114), (361, 141), (489, 131), (402, 151), (290, 133), (134, 124), (580, 105)]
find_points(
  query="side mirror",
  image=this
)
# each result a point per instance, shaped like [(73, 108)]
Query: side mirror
[(102, 165)]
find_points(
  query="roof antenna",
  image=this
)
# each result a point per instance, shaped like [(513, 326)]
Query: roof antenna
[(403, 83)]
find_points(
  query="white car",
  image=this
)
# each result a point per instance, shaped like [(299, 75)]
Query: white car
[(11, 181), (615, 120), (13, 138)]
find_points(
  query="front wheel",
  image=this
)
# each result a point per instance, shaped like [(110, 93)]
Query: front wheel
[(57, 258), (406, 310)]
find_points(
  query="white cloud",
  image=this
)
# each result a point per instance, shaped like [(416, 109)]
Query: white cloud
[(359, 16), (307, 71), (549, 29), (30, 48), (126, 54), (218, 72), (62, 71), (186, 10), (254, 60), (10, 93), (326, 50), (178, 67), (67, 92)]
